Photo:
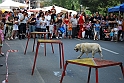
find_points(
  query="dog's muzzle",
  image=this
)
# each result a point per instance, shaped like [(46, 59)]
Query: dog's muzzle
[(76, 49)]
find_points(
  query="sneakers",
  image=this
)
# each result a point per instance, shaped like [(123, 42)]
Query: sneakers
[(2, 54), (60, 37), (1, 65), (11, 38), (8, 38), (16, 37)]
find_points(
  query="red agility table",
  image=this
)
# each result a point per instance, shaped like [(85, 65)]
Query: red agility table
[(92, 63), (35, 33), (61, 51)]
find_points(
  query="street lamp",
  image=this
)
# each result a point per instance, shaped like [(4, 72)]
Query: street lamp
[(80, 8)]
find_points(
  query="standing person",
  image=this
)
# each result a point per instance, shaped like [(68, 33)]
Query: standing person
[(112, 34), (1, 37), (74, 22), (53, 13), (22, 27), (15, 27), (66, 22), (53, 9), (58, 25), (43, 24), (111, 21), (81, 22), (116, 32), (123, 29), (47, 18), (32, 23), (38, 26), (97, 30), (119, 22), (10, 26), (70, 30), (51, 28), (88, 30)]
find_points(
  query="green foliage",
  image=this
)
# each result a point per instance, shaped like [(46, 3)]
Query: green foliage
[(93, 5)]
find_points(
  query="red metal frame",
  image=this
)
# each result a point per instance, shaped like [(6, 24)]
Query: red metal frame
[(107, 64), (35, 39), (61, 50)]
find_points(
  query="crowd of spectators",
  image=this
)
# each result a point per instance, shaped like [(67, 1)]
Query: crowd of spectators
[(17, 24)]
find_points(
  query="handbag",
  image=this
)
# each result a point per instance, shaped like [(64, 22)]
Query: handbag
[(62, 29)]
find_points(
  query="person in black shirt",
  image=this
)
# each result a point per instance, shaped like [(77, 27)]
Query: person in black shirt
[(111, 20), (32, 22)]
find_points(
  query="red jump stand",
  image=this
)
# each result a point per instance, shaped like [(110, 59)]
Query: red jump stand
[(92, 63), (61, 51), (36, 33)]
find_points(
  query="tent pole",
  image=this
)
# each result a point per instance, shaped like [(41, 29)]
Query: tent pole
[(29, 5), (119, 13)]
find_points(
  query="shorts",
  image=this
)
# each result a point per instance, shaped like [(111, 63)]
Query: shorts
[(69, 32), (96, 32)]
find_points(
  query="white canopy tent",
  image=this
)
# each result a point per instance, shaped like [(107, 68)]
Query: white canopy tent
[(10, 3), (59, 9)]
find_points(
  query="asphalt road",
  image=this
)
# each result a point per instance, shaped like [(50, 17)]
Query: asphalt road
[(47, 68)]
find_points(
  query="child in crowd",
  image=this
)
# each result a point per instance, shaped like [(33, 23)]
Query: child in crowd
[(88, 29), (116, 32), (111, 34), (43, 25), (70, 30), (97, 27), (51, 28), (38, 26), (15, 28), (1, 37)]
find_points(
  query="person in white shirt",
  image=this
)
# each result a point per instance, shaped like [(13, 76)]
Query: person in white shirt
[(47, 18), (119, 22), (43, 24), (51, 29), (116, 33), (15, 27)]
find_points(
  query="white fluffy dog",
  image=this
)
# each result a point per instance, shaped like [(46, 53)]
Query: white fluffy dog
[(88, 48)]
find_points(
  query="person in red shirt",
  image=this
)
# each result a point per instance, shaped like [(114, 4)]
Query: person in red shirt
[(81, 22), (66, 21), (53, 9)]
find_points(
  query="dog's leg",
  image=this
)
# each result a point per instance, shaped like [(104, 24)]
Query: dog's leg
[(80, 55), (87, 55), (93, 53), (100, 53)]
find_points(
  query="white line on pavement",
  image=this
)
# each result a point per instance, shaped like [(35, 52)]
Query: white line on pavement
[(110, 51)]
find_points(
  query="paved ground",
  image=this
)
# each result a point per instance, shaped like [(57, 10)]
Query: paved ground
[(47, 68)]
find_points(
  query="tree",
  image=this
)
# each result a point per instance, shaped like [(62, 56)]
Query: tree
[(93, 5)]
